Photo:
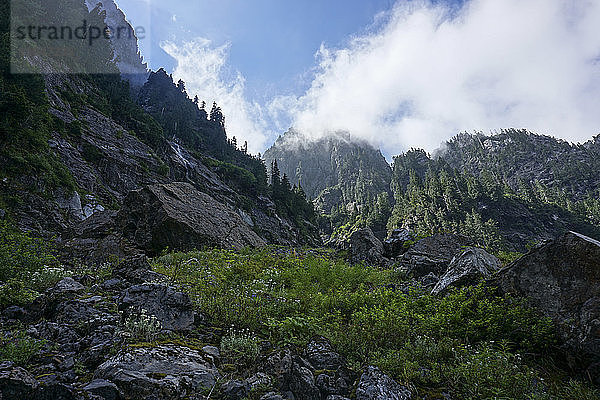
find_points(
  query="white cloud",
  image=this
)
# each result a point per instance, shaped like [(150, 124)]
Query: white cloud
[(203, 69), (429, 72)]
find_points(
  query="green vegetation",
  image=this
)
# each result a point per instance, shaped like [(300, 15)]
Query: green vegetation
[(18, 347), (432, 197), (471, 342), (27, 266)]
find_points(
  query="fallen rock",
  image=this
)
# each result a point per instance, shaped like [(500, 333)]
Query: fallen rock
[(164, 371), (562, 279), (173, 309), (180, 217), (470, 267), (364, 246), (321, 355), (375, 385), (103, 388), (235, 390), (16, 383), (396, 244), (433, 254)]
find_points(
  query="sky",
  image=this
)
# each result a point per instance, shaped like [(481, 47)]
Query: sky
[(399, 74)]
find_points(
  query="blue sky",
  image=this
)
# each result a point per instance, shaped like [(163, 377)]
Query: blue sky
[(397, 73), (273, 42)]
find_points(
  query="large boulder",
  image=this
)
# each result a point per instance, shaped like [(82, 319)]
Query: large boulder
[(471, 266), (396, 244), (164, 371), (364, 246), (171, 308), (180, 217), (433, 254), (15, 382), (562, 279), (375, 385)]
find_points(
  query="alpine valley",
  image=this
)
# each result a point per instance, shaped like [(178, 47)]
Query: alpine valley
[(146, 254)]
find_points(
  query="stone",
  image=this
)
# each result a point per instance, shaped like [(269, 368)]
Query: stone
[(164, 371), (470, 267), (180, 217), (562, 279), (364, 246), (173, 309), (235, 390), (375, 385), (395, 245), (14, 312), (320, 354), (68, 285), (15, 382), (103, 388), (272, 396), (433, 254)]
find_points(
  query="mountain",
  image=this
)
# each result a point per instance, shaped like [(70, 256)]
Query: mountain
[(127, 55), (343, 176), (102, 172)]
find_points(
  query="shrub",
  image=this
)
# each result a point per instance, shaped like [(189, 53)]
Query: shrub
[(18, 347), (140, 326), (241, 347)]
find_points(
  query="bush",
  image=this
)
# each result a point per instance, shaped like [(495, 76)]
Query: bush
[(18, 347), (467, 343), (240, 346), (140, 326)]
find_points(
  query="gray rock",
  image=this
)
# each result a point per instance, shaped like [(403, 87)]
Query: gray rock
[(320, 354), (336, 397), (293, 374), (68, 285), (212, 351), (235, 390), (433, 254), (164, 371), (14, 312), (180, 217), (2, 213), (103, 388), (55, 391), (395, 245), (272, 396), (364, 246), (562, 279), (375, 385), (173, 309), (16, 383), (471, 266), (259, 379)]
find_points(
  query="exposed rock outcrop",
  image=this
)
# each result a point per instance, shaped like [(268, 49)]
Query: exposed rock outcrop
[(433, 254), (364, 246), (471, 266), (164, 371), (180, 217), (562, 279), (375, 385)]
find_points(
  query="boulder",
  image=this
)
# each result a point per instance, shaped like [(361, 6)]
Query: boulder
[(562, 279), (164, 371), (470, 267), (293, 374), (235, 390), (395, 245), (180, 217), (375, 385), (172, 309), (321, 355), (15, 382), (364, 246), (433, 254), (103, 388)]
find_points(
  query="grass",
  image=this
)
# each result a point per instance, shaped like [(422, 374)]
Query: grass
[(470, 343)]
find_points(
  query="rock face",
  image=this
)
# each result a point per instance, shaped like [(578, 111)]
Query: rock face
[(332, 168), (562, 279), (375, 385), (171, 308), (468, 268), (433, 254), (364, 246), (164, 371), (395, 244), (180, 217)]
